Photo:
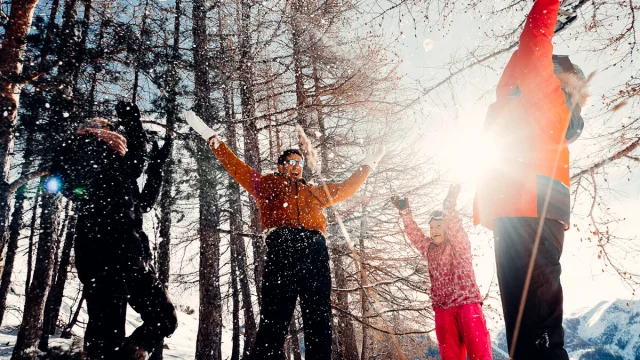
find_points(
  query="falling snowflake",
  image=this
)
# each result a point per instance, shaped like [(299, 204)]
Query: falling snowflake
[(47, 105), (65, 114), (428, 44), (285, 204)]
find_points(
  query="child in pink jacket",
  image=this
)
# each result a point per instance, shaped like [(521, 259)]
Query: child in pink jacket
[(456, 300)]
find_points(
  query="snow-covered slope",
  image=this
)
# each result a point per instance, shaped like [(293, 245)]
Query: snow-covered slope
[(607, 331)]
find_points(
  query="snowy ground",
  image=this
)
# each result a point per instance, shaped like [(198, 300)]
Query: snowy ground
[(180, 346)]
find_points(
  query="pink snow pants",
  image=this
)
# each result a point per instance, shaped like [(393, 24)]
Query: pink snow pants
[(463, 329)]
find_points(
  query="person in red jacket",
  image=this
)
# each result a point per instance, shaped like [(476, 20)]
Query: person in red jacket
[(524, 198), (455, 297)]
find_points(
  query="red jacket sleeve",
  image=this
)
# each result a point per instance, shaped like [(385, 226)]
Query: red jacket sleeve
[(415, 234), (540, 88), (509, 79)]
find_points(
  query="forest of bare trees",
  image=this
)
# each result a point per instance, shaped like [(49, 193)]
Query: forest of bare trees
[(253, 71)]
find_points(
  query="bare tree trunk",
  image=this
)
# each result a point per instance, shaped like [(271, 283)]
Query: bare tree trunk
[(209, 341), (11, 82), (16, 225), (250, 129), (296, 40), (34, 218), (166, 196), (363, 294), (345, 332), (48, 321), (136, 72), (54, 301), (31, 327), (235, 308)]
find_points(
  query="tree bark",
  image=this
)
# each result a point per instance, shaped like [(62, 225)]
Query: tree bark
[(31, 327), (209, 340), (235, 308), (11, 82), (251, 144), (54, 301), (34, 218)]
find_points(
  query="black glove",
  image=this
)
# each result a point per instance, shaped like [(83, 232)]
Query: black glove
[(127, 111), (160, 154)]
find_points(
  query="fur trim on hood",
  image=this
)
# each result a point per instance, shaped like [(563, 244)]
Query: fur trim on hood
[(576, 87)]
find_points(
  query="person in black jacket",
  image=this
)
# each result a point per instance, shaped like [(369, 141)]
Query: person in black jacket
[(98, 169)]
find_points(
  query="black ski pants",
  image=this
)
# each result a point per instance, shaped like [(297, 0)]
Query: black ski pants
[(297, 264), (107, 308), (540, 334)]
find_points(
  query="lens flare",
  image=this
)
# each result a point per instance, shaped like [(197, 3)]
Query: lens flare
[(53, 185)]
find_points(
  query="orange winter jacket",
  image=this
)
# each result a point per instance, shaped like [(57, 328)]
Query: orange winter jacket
[(527, 124), (285, 202)]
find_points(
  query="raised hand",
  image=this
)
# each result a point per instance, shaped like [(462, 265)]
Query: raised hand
[(200, 127), (400, 204), (452, 196), (373, 157)]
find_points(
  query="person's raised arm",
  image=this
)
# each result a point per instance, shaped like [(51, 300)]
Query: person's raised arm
[(243, 174), (130, 120), (411, 228), (451, 219), (151, 189), (336, 192)]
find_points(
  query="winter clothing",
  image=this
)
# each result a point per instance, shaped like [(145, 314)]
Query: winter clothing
[(285, 278), (112, 251), (531, 123), (453, 281), (286, 202), (528, 123), (455, 297), (541, 335), (462, 329)]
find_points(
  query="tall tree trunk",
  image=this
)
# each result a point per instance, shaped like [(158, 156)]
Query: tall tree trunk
[(31, 327), (240, 252), (16, 224), (54, 300), (209, 340), (235, 308), (32, 232), (166, 196), (47, 320), (136, 72), (11, 62), (250, 129), (296, 41), (363, 294)]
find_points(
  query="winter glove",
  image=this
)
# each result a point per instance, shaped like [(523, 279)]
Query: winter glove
[(160, 154), (401, 204), (127, 111), (201, 128), (373, 157), (452, 197)]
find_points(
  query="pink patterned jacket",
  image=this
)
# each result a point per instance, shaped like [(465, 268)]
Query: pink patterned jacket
[(453, 281)]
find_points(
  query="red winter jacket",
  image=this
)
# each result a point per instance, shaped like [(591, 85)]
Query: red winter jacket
[(527, 124), (453, 281)]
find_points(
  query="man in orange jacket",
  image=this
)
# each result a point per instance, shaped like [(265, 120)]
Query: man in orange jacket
[(297, 261), (524, 199)]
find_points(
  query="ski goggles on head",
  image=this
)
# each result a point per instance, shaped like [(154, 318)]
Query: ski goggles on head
[(293, 162), (435, 216)]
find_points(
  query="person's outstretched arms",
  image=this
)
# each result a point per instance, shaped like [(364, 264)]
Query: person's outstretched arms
[(451, 219), (411, 229), (243, 174), (336, 192)]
